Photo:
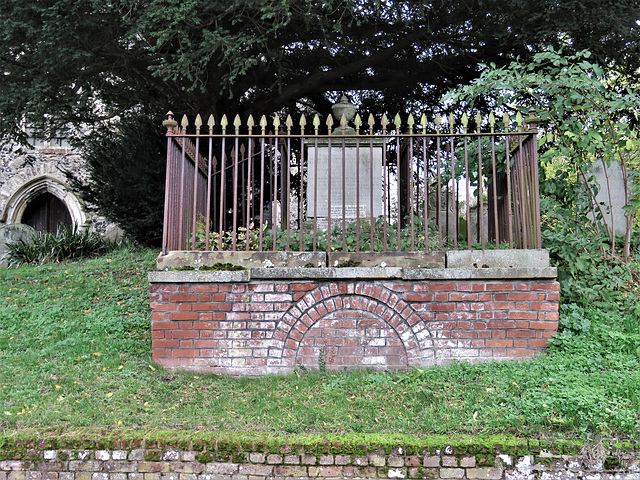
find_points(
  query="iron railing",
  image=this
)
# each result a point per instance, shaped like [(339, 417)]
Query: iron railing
[(386, 186)]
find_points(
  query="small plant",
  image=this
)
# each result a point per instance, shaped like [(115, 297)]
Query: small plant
[(322, 366), (348, 263), (66, 244)]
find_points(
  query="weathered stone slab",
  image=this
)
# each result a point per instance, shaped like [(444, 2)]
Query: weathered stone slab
[(531, 258), (177, 259), (389, 259), (326, 273), (479, 273), (199, 277), (10, 234)]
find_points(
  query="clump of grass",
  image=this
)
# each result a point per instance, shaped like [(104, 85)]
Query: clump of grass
[(66, 244)]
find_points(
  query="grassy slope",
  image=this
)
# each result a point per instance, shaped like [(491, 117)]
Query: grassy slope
[(75, 352)]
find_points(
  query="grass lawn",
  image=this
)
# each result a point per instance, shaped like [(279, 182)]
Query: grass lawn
[(75, 352)]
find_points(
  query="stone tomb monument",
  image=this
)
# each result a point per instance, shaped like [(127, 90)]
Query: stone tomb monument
[(358, 163)]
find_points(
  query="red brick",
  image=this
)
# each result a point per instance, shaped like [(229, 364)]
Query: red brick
[(538, 343), (419, 297), (184, 316), (441, 287), (157, 316), (442, 307), (546, 306), (184, 353), (523, 296), (551, 286), (184, 297), (498, 343), (165, 343), (162, 288), (204, 288), (463, 297), (552, 316), (499, 287), (500, 324), (520, 352), (163, 307), (499, 305), (544, 325), (553, 297), (184, 334), (515, 315), (521, 334), (164, 325)]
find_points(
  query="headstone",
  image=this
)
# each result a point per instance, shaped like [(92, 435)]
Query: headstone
[(615, 186), (360, 193), (344, 174), (13, 233)]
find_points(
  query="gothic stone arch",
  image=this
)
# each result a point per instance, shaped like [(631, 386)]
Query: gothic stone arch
[(32, 189)]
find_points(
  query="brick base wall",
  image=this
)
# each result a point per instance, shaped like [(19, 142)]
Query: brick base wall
[(230, 324)]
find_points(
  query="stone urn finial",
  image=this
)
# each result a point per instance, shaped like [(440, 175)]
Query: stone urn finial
[(344, 107)]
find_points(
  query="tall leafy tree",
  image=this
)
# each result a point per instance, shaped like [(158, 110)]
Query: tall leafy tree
[(81, 61), (84, 64)]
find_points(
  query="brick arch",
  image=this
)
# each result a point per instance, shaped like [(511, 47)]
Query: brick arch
[(354, 305)]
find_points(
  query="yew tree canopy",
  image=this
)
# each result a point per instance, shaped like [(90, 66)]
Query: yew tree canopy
[(79, 61)]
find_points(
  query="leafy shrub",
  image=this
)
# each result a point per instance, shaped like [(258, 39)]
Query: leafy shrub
[(66, 244), (126, 164)]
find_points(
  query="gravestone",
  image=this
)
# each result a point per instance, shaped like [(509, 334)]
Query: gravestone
[(353, 185), (13, 233), (615, 188)]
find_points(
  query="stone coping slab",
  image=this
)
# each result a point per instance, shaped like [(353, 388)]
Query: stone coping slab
[(452, 259), (346, 273), (531, 258)]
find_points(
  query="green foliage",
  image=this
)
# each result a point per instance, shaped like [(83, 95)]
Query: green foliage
[(66, 244), (385, 237), (239, 56), (126, 163)]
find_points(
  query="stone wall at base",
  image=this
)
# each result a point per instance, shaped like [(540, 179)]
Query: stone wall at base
[(139, 461), (263, 321)]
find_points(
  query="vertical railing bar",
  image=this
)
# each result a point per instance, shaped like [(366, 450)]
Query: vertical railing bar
[(207, 225), (315, 194), (523, 200), (249, 190), (358, 194), (536, 185), (456, 195), (413, 233), (385, 180), (399, 182), (183, 163), (344, 195), (329, 195), (287, 195), (262, 195), (495, 191), (168, 187), (196, 171), (468, 188), (509, 197), (480, 195), (234, 207), (439, 193), (301, 196), (372, 220), (221, 221), (274, 197), (426, 192)]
